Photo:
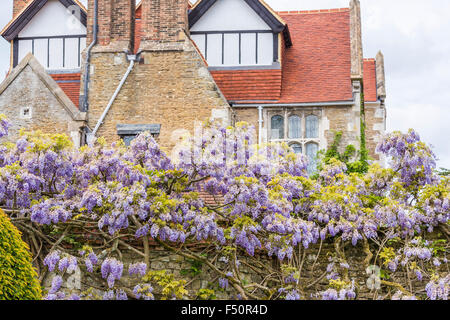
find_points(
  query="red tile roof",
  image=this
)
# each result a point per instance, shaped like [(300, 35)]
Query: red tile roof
[(70, 84), (370, 80), (317, 66), (249, 84), (315, 69)]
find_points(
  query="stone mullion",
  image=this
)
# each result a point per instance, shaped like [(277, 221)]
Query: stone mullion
[(286, 124)]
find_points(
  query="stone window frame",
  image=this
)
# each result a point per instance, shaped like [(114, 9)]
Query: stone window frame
[(286, 113), (29, 115), (127, 132)]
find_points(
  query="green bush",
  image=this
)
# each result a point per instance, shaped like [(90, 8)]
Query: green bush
[(18, 279)]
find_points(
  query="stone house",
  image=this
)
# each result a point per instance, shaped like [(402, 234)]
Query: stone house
[(114, 68)]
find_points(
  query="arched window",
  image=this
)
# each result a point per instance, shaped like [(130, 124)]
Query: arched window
[(312, 127), (297, 148), (311, 154), (277, 126), (295, 127)]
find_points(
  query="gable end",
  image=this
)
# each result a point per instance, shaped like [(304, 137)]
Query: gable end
[(12, 30), (276, 26)]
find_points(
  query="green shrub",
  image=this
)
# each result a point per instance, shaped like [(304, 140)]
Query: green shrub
[(18, 279)]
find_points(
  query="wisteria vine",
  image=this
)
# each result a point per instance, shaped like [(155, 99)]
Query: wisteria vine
[(262, 205)]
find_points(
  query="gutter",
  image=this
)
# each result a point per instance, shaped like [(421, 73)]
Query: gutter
[(305, 104), (85, 103)]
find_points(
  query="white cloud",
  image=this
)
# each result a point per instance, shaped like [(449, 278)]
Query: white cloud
[(412, 34)]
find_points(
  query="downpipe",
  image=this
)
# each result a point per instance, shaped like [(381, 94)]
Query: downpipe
[(260, 124), (91, 135), (85, 104)]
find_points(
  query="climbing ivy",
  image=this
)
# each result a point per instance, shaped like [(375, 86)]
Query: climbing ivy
[(444, 172), (350, 153), (364, 154)]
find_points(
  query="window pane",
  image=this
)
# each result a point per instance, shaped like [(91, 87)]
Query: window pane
[(199, 40), (127, 139), (231, 45), (40, 51), (311, 154), (56, 53), (295, 127), (82, 45), (25, 47), (297, 148), (312, 127), (214, 50), (277, 126), (248, 47), (71, 57), (265, 48)]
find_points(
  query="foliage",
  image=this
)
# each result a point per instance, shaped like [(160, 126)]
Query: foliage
[(266, 206), (347, 157), (18, 279), (444, 172)]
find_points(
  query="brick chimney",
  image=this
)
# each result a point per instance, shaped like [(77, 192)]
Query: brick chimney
[(18, 6), (170, 88), (116, 20), (164, 23)]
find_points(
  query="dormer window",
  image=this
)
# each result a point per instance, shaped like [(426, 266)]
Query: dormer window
[(54, 33), (54, 52), (236, 33), (243, 48)]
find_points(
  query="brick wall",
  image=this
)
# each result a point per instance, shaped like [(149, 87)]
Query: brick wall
[(164, 20), (116, 20), (342, 119), (18, 6), (375, 127)]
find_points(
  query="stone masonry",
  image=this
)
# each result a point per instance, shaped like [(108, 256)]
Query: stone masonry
[(313, 276), (170, 84), (36, 102)]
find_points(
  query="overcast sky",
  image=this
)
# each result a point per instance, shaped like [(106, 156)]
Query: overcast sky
[(413, 36)]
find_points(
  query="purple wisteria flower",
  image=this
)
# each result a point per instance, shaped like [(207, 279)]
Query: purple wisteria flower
[(111, 270), (139, 268)]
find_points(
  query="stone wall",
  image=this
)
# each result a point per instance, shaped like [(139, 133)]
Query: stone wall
[(313, 275), (342, 119), (170, 88), (331, 118), (32, 100), (375, 115)]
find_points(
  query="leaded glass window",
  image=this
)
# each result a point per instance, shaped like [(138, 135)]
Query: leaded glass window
[(277, 126)]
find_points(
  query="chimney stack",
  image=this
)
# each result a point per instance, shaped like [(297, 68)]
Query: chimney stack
[(381, 78), (357, 64), (163, 22), (116, 20)]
